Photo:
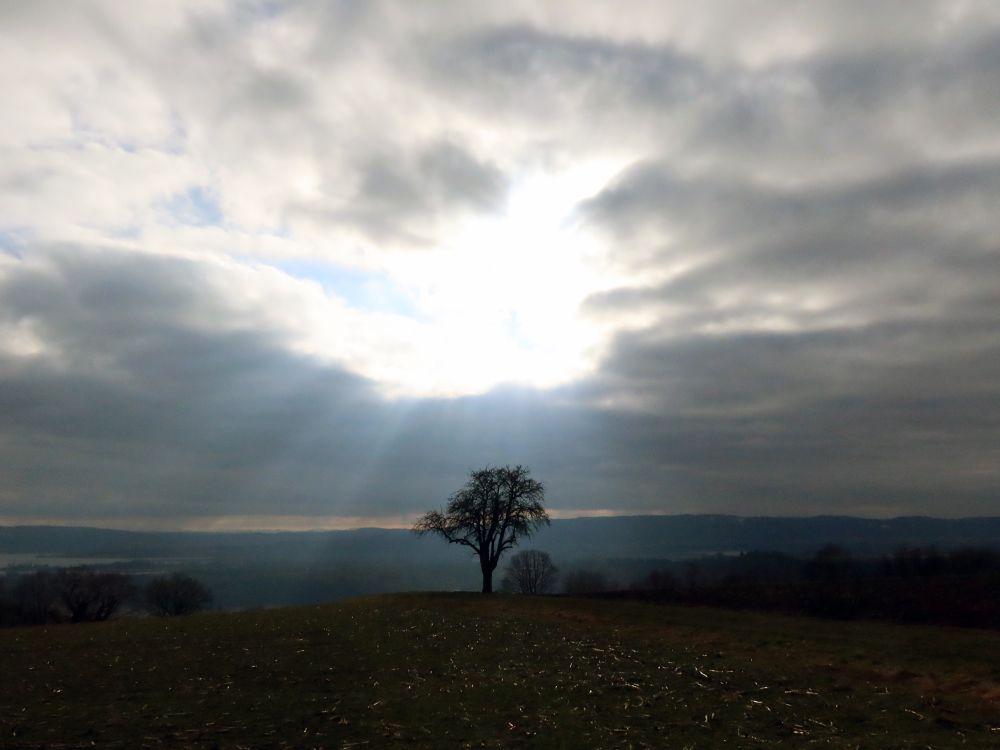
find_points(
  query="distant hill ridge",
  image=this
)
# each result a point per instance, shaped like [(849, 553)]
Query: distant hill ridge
[(659, 536)]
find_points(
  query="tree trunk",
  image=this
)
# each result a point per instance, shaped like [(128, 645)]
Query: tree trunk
[(487, 579)]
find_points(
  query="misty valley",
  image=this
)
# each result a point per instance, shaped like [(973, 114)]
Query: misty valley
[(248, 570)]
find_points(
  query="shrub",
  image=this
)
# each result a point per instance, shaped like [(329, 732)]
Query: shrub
[(176, 594), (33, 598), (89, 596), (530, 572)]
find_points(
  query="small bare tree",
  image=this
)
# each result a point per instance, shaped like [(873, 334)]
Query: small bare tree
[(6, 604), (91, 596), (495, 508), (176, 594), (530, 572), (34, 598)]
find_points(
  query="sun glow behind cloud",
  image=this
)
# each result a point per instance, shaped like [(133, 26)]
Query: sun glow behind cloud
[(498, 302)]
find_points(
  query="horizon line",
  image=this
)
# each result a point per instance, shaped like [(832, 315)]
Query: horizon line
[(304, 524)]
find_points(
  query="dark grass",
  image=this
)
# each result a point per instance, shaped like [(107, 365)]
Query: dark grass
[(462, 670)]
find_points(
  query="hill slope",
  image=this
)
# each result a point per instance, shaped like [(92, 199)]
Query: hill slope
[(457, 670)]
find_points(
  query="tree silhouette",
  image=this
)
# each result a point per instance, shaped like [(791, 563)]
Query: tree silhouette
[(530, 572), (176, 594), (495, 508), (34, 597), (92, 597), (6, 604)]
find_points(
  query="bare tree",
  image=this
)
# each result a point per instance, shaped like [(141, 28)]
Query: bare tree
[(6, 604), (92, 597), (34, 598), (489, 514), (176, 594), (530, 572)]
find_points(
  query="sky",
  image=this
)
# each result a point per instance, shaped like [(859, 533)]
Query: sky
[(307, 264)]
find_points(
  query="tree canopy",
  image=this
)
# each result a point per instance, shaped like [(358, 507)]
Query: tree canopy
[(489, 514)]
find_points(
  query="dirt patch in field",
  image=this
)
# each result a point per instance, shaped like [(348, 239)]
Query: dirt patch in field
[(933, 686)]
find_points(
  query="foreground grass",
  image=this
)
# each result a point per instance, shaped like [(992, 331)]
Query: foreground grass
[(461, 670)]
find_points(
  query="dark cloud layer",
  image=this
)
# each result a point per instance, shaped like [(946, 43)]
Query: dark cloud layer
[(137, 403), (131, 407), (398, 193)]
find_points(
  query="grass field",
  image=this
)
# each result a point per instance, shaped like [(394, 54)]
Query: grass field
[(462, 670)]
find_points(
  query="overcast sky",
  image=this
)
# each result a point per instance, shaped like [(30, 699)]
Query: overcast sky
[(306, 264)]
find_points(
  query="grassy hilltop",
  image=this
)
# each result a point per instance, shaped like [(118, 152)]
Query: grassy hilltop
[(462, 670)]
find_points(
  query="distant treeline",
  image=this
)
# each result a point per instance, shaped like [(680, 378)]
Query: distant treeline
[(75, 595), (914, 584)]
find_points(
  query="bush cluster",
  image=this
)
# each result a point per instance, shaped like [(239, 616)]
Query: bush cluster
[(960, 587), (77, 595)]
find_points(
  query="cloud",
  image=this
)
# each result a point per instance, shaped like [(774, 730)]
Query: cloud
[(401, 198), (133, 381), (304, 258)]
